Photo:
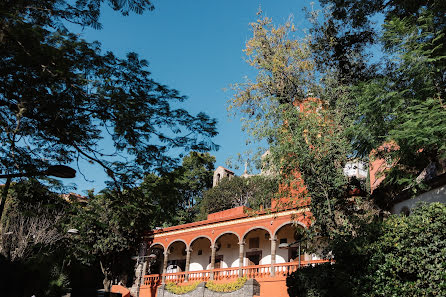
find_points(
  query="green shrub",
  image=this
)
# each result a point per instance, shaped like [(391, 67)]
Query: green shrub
[(409, 258), (320, 281), (227, 287), (402, 256), (177, 289)]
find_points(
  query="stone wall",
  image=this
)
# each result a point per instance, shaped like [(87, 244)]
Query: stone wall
[(250, 289)]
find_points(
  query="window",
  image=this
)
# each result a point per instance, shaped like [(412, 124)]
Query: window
[(254, 243), (293, 254), (283, 240), (200, 252), (218, 261), (254, 257)]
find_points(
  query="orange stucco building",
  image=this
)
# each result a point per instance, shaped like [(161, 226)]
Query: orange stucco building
[(230, 244), (234, 243)]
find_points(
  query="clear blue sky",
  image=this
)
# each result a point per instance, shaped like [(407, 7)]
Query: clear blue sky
[(195, 47)]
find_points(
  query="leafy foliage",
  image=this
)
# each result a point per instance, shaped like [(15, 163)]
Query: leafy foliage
[(408, 258), (183, 289), (191, 180), (34, 227), (60, 96), (400, 101), (33, 241), (227, 287), (285, 73), (319, 281), (402, 256), (111, 225), (254, 192)]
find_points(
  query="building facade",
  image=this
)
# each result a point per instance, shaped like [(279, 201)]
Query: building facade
[(229, 244)]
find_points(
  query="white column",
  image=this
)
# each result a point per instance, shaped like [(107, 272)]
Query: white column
[(187, 264), (166, 256), (213, 250), (241, 258), (273, 255)]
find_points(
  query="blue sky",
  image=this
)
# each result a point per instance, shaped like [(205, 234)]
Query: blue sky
[(196, 48)]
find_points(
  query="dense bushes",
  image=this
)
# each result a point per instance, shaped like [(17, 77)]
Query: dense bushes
[(405, 257), (254, 192), (318, 281), (177, 289), (227, 287), (409, 258)]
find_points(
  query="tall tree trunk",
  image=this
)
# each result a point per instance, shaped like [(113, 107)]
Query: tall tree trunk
[(107, 281)]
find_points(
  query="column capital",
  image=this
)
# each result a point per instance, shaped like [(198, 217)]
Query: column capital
[(273, 239), (241, 243)]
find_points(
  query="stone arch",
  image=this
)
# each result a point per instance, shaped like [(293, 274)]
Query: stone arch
[(224, 233), (200, 252), (176, 240), (227, 245), (288, 223), (286, 234), (155, 266), (198, 237), (257, 246), (254, 228), (176, 257), (157, 243)]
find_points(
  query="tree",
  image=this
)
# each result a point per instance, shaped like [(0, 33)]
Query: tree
[(109, 228), (285, 74), (403, 101), (111, 225), (60, 96), (34, 225), (254, 192), (192, 179), (359, 106), (308, 137), (402, 256), (33, 240)]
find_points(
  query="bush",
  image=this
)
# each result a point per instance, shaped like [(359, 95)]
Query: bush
[(227, 287), (177, 289), (402, 256), (320, 281), (409, 258)]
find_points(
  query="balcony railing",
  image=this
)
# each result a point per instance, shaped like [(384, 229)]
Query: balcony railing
[(201, 275), (257, 272)]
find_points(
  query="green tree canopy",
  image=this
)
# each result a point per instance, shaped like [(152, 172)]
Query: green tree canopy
[(60, 96), (33, 240), (192, 179), (402, 256), (401, 99), (254, 192), (111, 226)]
